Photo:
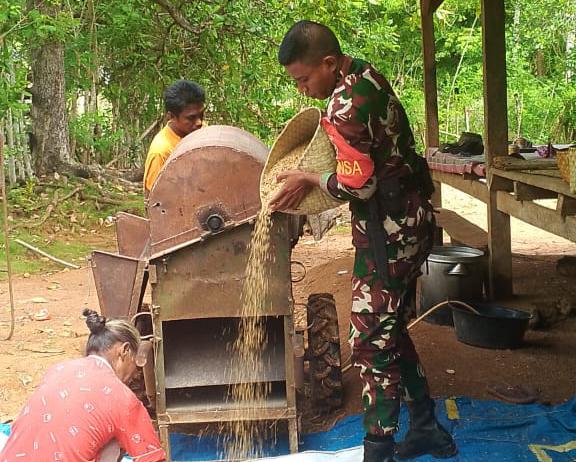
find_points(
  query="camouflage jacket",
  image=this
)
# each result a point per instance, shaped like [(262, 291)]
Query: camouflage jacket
[(367, 113)]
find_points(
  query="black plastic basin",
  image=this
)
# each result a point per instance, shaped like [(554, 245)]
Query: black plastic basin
[(494, 327)]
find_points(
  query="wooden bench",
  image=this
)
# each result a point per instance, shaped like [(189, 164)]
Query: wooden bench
[(460, 230)]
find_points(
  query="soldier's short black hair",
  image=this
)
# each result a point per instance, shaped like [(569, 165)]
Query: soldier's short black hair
[(309, 42), (182, 93)]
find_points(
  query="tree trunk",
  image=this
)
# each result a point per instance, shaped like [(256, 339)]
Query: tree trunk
[(93, 102), (49, 118), (516, 33), (73, 114), (25, 149), (540, 64)]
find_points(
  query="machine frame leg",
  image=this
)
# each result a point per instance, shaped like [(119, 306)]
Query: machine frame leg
[(165, 440), (293, 435)]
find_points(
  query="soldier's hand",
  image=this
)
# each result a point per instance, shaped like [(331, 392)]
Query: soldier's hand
[(297, 185)]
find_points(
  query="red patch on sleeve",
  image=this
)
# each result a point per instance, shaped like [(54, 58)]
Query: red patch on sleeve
[(354, 167)]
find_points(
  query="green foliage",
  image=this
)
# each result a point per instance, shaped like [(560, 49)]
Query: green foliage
[(132, 49), (96, 131), (44, 27), (12, 90), (120, 55)]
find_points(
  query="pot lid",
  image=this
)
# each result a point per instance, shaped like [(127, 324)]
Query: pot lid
[(454, 254)]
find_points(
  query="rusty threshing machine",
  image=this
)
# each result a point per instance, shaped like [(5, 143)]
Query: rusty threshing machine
[(192, 250)]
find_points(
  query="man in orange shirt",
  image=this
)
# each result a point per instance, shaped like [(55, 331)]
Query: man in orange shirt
[(184, 102)]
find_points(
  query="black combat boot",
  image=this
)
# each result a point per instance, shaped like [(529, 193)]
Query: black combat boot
[(378, 448), (426, 435)]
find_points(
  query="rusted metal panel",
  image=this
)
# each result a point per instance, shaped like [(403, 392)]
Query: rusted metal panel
[(211, 179), (204, 280), (206, 345), (132, 235), (120, 283)]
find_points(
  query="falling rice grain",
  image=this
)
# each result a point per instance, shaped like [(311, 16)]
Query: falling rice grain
[(250, 392)]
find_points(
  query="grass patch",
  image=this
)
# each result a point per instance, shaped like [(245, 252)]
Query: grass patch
[(67, 229)]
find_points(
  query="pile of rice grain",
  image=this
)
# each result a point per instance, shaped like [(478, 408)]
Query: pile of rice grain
[(268, 184)]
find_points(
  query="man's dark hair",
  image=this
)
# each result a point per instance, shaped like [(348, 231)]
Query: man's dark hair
[(182, 93), (309, 42)]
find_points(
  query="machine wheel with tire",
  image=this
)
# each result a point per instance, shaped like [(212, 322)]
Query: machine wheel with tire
[(325, 373)]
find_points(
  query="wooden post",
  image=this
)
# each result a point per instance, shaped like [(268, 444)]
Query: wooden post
[(496, 141), (430, 87), (432, 137)]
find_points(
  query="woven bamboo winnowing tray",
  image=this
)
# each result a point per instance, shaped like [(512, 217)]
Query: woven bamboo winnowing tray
[(304, 139)]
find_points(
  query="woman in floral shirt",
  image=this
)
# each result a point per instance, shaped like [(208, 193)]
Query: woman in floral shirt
[(83, 411)]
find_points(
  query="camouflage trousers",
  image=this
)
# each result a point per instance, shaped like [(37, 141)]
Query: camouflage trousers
[(381, 347)]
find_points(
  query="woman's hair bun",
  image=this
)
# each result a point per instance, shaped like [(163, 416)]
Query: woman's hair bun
[(95, 322)]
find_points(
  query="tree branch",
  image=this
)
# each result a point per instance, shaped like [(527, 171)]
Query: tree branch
[(176, 16), (45, 254)]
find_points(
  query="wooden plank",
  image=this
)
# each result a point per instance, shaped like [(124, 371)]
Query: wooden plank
[(293, 435), (540, 181), (512, 163), (432, 137), (469, 185), (498, 183), (460, 230), (165, 440), (289, 358), (526, 192), (566, 205), (550, 173), (234, 415), (537, 215)]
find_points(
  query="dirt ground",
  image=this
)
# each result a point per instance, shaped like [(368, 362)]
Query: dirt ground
[(547, 361)]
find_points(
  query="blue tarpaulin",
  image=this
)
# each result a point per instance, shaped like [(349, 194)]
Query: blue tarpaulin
[(484, 431)]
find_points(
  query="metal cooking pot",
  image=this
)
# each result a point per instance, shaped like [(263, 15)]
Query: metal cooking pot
[(451, 273)]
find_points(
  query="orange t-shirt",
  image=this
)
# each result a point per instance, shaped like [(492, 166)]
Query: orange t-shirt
[(160, 149)]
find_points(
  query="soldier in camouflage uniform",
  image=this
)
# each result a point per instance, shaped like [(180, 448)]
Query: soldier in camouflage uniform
[(378, 169)]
